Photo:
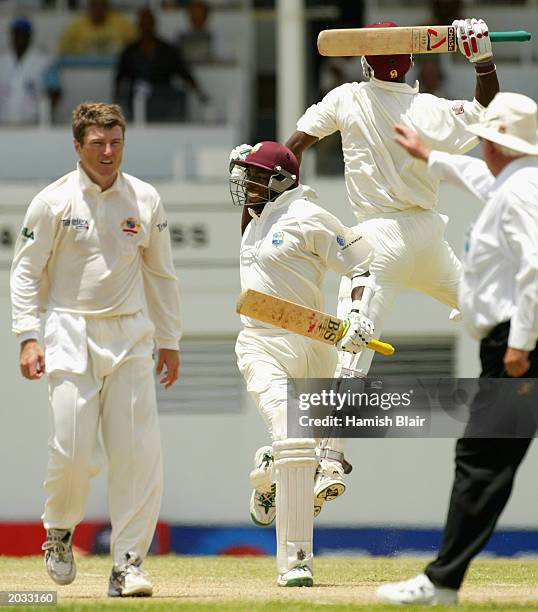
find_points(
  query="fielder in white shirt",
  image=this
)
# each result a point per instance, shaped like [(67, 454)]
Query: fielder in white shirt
[(28, 77), (288, 244), (392, 197), (499, 306), (94, 254)]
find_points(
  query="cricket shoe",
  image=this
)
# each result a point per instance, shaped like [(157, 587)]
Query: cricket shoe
[(263, 506), (59, 559), (328, 484), (128, 580), (263, 498), (298, 576), (417, 590)]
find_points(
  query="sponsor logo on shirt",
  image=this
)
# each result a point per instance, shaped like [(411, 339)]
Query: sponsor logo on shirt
[(340, 240), (76, 223), (131, 225), (27, 234), (458, 108), (278, 238), (346, 246), (162, 226)]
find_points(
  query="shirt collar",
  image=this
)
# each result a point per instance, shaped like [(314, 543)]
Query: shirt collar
[(283, 199), (395, 87), (86, 183), (512, 167)]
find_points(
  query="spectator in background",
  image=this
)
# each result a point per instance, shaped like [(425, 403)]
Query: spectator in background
[(431, 69), (27, 75), (350, 14), (100, 31), (147, 68), (336, 71), (199, 43)]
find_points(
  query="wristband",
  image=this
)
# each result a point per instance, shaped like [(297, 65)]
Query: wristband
[(488, 72)]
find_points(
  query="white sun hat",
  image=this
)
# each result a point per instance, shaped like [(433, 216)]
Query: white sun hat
[(510, 120)]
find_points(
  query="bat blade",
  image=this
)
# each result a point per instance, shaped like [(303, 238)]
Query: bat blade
[(296, 318), (387, 41)]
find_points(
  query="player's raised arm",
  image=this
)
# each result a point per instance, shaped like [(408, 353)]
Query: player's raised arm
[(475, 44), (299, 142)]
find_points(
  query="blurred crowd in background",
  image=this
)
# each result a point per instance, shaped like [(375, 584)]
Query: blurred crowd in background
[(156, 53), (102, 34)]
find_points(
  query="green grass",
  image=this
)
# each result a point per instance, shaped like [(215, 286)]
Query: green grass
[(248, 584)]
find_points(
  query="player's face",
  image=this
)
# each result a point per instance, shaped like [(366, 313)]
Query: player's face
[(257, 181), (101, 154)]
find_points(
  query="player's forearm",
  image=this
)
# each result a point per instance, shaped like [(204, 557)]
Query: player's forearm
[(25, 288), (463, 171), (164, 310), (487, 83), (26, 322)]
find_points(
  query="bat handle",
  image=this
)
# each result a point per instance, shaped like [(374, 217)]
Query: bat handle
[(381, 347), (515, 36)]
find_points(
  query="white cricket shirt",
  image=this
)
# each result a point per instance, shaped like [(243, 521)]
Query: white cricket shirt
[(381, 177), (500, 264), (96, 253), (286, 250)]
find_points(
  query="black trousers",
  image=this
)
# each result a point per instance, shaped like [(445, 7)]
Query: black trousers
[(485, 471)]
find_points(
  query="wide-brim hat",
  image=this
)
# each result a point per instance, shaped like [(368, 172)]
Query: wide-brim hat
[(510, 120)]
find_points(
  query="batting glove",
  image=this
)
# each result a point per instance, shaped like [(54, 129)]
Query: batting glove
[(239, 153), (473, 39), (359, 332)]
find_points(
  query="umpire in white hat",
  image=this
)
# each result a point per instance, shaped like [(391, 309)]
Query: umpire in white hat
[(499, 304)]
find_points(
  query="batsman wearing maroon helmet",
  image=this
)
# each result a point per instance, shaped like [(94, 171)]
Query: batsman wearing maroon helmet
[(288, 244), (391, 195)]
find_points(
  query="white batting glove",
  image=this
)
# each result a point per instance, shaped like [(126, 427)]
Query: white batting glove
[(473, 39), (239, 153), (359, 332)]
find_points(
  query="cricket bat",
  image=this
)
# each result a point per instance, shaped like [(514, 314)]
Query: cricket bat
[(390, 41), (299, 319)]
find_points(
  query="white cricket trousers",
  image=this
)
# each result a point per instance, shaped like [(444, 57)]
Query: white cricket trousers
[(116, 392), (267, 358), (411, 253)]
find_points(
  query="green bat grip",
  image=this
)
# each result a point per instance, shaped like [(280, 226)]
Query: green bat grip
[(515, 36)]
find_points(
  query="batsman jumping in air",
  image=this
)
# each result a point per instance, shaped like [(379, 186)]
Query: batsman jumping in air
[(392, 197), (288, 244)]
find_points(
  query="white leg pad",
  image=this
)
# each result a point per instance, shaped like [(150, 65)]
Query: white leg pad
[(295, 465)]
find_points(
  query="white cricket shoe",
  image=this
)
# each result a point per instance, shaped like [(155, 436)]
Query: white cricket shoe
[(59, 559), (298, 576), (128, 580), (263, 506), (263, 498), (328, 484), (417, 590)]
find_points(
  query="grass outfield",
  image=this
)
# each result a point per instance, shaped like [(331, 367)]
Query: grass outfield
[(248, 584)]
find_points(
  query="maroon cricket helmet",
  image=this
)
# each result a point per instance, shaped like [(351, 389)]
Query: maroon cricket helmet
[(272, 156), (388, 67)]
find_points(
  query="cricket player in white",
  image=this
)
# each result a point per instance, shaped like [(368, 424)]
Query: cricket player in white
[(288, 244), (95, 255), (391, 194)]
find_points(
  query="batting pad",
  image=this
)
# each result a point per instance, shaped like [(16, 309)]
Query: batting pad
[(295, 465)]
